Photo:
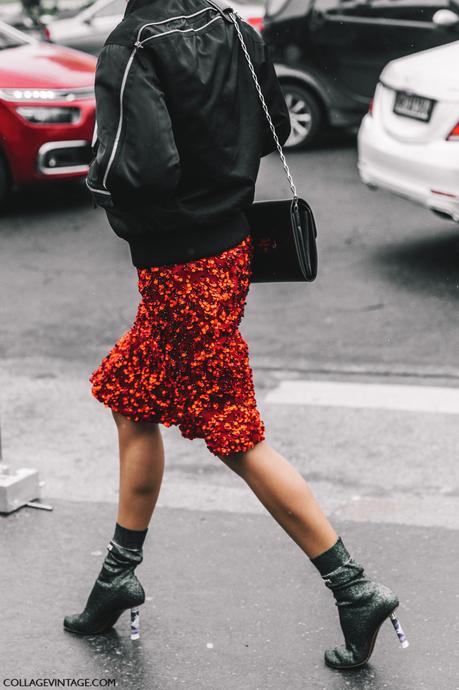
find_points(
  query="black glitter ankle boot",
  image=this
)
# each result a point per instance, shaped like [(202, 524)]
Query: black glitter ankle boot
[(363, 605), (115, 590)]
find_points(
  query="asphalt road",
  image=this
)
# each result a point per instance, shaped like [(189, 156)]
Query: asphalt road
[(386, 295), (382, 458)]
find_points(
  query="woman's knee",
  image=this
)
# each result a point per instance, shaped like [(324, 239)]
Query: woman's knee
[(128, 426), (241, 462)]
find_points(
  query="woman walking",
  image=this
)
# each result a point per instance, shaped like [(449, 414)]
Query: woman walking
[(180, 134)]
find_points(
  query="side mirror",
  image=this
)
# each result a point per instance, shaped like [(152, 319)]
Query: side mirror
[(445, 18)]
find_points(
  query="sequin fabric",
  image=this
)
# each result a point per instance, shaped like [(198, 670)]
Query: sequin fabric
[(184, 361)]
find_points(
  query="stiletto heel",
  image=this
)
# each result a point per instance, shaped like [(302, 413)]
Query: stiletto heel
[(398, 629), (135, 623)]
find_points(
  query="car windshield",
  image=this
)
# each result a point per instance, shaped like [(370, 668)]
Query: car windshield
[(12, 38), (112, 9)]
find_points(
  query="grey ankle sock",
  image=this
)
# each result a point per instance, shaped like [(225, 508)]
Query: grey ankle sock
[(332, 558), (129, 538)]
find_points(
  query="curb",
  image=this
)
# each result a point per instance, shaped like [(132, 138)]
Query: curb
[(370, 369)]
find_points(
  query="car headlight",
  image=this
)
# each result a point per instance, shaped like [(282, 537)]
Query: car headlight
[(28, 94), (42, 115)]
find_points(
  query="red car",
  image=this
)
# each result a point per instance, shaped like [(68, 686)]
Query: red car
[(47, 110)]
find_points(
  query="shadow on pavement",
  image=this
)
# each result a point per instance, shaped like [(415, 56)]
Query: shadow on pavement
[(47, 197), (338, 139), (332, 139), (429, 264), (97, 652)]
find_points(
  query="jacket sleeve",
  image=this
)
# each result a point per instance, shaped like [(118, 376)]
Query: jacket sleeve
[(278, 110), (136, 159)]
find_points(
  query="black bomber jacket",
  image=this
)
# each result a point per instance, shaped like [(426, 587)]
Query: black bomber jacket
[(180, 130)]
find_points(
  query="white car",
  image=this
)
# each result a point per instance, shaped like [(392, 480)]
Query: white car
[(408, 143), (88, 29)]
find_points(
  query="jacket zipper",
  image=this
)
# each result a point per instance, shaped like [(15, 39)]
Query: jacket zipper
[(120, 121)]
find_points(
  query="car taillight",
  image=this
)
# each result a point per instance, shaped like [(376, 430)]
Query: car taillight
[(370, 107), (46, 33), (454, 134), (256, 22)]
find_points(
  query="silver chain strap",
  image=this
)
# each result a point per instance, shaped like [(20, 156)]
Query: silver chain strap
[(233, 15)]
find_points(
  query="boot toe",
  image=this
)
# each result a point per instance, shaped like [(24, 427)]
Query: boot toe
[(73, 623), (333, 656), (341, 657)]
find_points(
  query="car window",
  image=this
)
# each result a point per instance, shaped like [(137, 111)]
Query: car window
[(408, 10), (338, 6), (115, 8)]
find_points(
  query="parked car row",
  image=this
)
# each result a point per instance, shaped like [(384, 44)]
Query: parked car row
[(331, 57)]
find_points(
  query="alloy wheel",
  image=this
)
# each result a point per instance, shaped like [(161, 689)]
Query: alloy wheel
[(300, 118)]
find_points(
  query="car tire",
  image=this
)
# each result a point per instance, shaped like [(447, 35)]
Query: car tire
[(5, 181), (306, 116)]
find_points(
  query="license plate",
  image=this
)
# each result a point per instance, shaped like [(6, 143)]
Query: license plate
[(410, 105)]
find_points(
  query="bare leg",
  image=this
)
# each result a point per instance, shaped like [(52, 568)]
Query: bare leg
[(141, 471), (286, 495), (117, 588)]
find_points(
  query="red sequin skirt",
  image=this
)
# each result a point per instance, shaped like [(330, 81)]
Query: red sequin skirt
[(184, 360)]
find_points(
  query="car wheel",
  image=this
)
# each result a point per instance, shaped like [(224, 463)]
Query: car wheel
[(305, 116), (4, 180)]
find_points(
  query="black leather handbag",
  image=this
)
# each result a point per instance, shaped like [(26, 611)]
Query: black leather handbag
[(283, 230)]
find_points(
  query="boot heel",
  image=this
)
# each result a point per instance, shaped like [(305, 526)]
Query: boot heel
[(135, 623), (398, 629)]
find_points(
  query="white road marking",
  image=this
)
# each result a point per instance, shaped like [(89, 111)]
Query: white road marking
[(402, 509), (366, 395), (421, 487)]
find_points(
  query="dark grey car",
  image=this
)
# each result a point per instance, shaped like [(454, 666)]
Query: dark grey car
[(329, 53)]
